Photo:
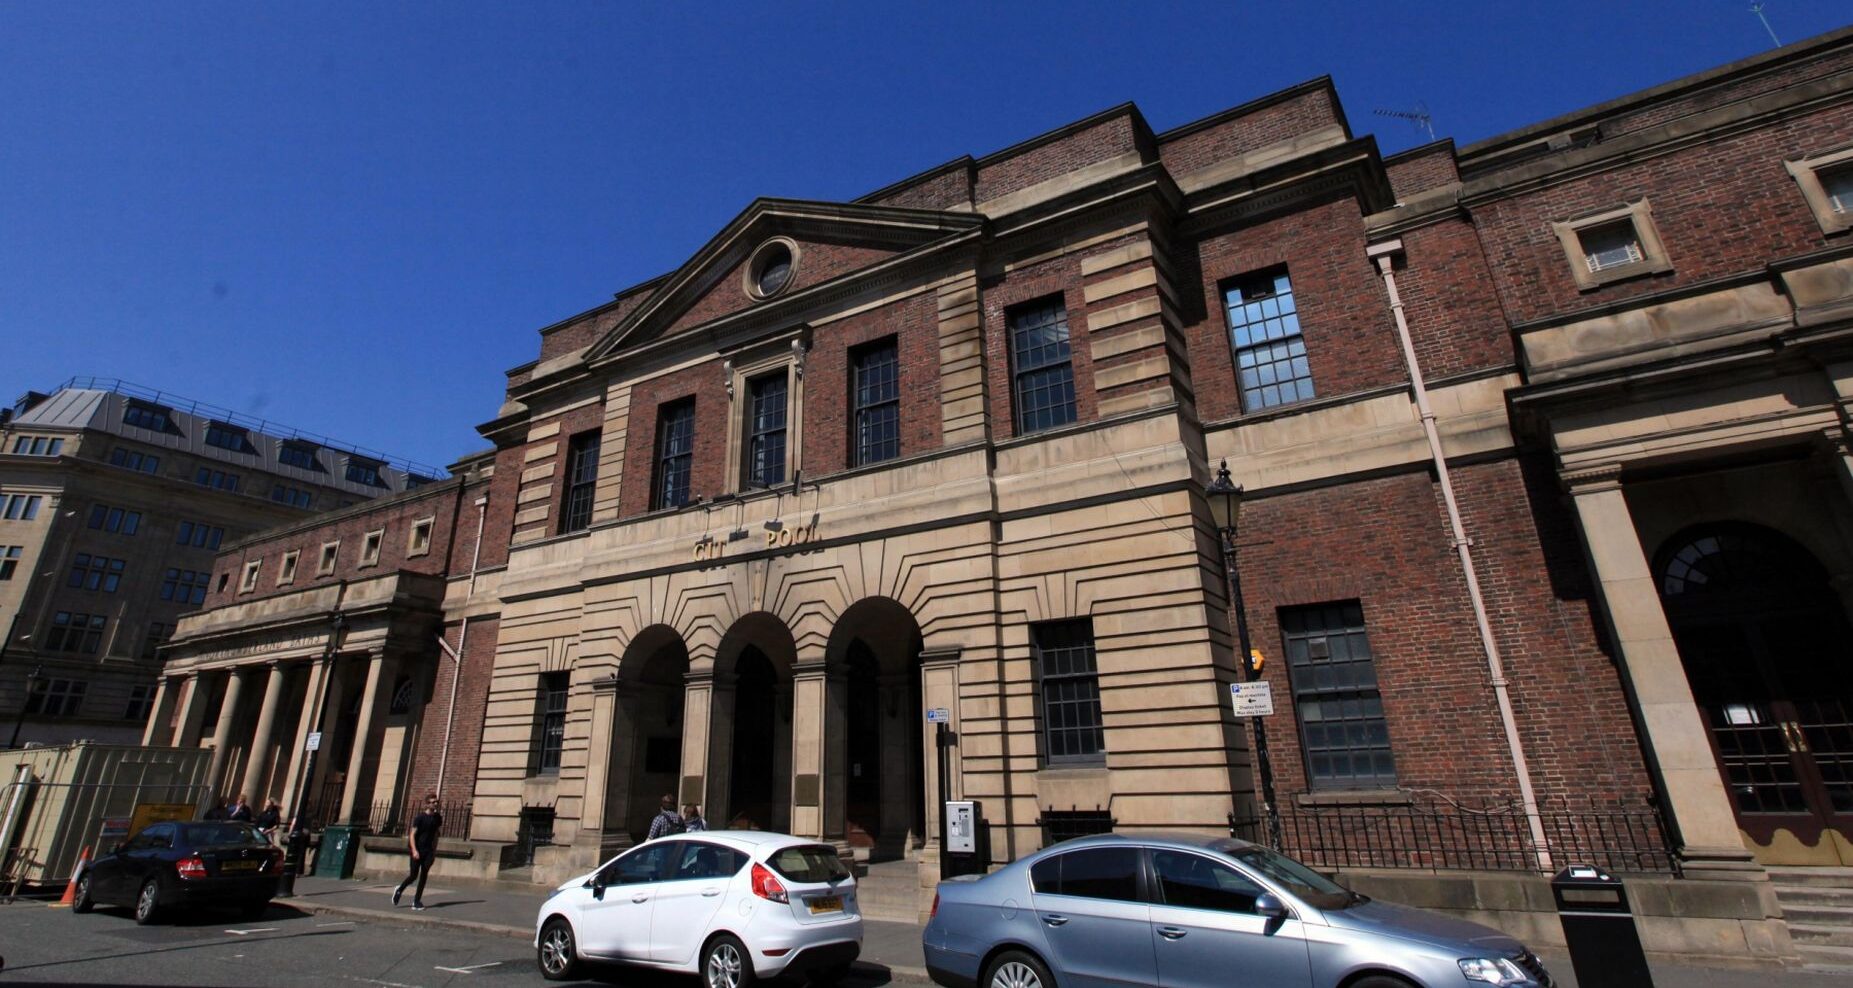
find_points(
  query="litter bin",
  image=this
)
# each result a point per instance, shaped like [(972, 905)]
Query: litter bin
[(340, 848), (1598, 927)]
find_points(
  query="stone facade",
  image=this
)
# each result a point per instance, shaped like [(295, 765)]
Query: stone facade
[(1550, 401)]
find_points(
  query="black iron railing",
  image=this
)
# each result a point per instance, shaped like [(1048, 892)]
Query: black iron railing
[(456, 825), (1060, 825), (1435, 833)]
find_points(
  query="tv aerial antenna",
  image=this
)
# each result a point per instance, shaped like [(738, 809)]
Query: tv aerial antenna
[(1417, 115), (1756, 7)]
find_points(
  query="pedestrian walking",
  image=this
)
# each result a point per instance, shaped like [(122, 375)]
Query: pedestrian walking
[(240, 810), (667, 821), (691, 819), (422, 841)]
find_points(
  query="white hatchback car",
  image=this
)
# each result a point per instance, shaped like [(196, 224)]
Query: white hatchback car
[(730, 905)]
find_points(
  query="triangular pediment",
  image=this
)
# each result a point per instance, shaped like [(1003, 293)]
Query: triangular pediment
[(828, 242)]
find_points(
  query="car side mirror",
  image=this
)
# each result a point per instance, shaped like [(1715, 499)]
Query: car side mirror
[(1268, 904), (598, 888)]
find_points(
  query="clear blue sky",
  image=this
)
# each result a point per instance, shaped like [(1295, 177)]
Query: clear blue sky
[(351, 217)]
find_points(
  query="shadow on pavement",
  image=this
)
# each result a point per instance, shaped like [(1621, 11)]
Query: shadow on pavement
[(861, 975)]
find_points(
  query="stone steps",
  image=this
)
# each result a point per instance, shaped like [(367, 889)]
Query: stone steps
[(1817, 903)]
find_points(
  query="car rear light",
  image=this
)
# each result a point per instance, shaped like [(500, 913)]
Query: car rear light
[(767, 887), (935, 910), (191, 867), (276, 860)]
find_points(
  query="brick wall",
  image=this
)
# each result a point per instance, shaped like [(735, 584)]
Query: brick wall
[(1344, 313), (466, 727), (817, 262), (1197, 146), (943, 189), (1454, 315), (914, 323), (1724, 207), (1089, 145), (1384, 543), (395, 518), (1420, 169), (706, 383), (998, 294)]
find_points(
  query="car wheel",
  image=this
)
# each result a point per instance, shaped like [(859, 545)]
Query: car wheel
[(1016, 969), (726, 964), (1380, 981), (148, 903), (558, 954), (81, 902)]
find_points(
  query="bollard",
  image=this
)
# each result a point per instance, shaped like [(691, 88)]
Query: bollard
[(1598, 927)]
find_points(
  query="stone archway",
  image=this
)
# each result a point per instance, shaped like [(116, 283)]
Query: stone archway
[(1762, 636), (876, 755), (646, 758), (750, 728)]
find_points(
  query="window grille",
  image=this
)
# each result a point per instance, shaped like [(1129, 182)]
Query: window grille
[(675, 453), (1610, 245), (1040, 364), (1060, 825), (1070, 686), (1340, 711), (581, 478), (1270, 352), (875, 393), (765, 445)]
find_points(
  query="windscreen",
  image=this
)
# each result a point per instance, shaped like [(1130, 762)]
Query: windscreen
[(809, 863), (1314, 889)]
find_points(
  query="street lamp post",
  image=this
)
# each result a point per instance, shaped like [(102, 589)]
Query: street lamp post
[(1225, 497), (19, 719), (298, 835)]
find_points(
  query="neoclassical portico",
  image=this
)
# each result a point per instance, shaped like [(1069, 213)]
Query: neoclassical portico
[(269, 674)]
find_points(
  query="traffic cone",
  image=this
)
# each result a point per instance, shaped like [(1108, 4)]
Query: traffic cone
[(70, 887)]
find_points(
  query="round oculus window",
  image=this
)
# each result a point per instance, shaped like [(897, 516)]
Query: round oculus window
[(771, 270)]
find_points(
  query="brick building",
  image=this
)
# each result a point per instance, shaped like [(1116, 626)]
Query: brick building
[(1546, 540), (114, 501)]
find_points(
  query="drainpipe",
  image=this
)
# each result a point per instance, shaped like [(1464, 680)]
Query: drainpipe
[(463, 637), (1385, 256)]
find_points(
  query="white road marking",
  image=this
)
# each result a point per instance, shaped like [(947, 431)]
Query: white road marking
[(372, 981), (261, 929), (468, 970), (345, 922)]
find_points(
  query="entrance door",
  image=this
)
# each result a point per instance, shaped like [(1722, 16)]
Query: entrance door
[(752, 782), (1766, 650), (865, 750)]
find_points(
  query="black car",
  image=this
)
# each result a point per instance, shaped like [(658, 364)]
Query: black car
[(214, 863)]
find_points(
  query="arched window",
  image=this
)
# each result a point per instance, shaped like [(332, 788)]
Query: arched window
[(1703, 565)]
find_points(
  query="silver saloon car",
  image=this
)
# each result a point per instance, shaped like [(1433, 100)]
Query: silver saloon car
[(1184, 911)]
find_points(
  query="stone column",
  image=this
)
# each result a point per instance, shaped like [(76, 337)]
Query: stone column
[(696, 787), (355, 806), (222, 733), (305, 725), (809, 760), (599, 820), (1697, 806), (257, 762), (192, 712), (155, 733)]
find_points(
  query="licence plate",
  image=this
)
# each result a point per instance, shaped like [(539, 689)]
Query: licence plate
[(827, 904), (238, 865)]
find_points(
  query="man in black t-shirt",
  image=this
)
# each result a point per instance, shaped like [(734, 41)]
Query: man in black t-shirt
[(422, 839)]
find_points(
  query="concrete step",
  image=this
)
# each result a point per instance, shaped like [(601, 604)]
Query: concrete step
[(1829, 877), (1813, 895), (1829, 960), (1820, 935), (1816, 915)]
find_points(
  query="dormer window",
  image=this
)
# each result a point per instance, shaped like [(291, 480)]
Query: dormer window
[(770, 269)]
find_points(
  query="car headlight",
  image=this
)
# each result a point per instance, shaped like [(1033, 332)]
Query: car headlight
[(1492, 970)]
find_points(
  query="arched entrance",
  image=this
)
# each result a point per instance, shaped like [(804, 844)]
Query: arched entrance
[(1765, 643), (750, 736), (647, 739), (879, 760)]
